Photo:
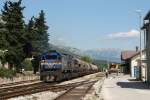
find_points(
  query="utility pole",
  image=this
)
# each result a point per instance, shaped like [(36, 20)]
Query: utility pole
[(140, 25)]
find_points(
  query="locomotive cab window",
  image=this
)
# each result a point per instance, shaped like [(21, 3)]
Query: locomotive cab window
[(51, 57)]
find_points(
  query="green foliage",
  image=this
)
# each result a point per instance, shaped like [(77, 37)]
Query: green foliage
[(27, 65), (14, 31), (36, 33), (86, 59), (3, 43), (7, 73), (15, 35), (41, 33), (102, 64), (31, 37)]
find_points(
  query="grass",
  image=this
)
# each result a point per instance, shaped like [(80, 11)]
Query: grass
[(7, 73)]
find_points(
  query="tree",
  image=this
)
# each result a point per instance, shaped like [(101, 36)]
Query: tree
[(37, 35), (42, 34), (30, 37), (14, 24), (86, 59), (3, 34)]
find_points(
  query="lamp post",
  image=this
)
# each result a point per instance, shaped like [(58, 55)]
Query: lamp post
[(140, 25)]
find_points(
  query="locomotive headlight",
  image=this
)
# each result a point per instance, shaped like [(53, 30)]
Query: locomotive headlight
[(57, 62), (44, 61)]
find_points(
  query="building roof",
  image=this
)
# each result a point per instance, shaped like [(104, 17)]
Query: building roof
[(138, 53), (127, 54), (147, 16)]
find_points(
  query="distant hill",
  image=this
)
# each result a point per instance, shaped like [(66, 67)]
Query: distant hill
[(102, 64), (111, 55), (65, 49)]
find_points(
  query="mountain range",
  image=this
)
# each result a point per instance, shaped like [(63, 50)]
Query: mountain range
[(110, 54)]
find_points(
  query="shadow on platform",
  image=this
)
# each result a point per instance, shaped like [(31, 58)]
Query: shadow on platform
[(133, 80), (134, 85)]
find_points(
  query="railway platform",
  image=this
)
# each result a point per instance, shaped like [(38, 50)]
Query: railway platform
[(123, 87)]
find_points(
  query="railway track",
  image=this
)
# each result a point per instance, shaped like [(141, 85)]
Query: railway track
[(27, 89), (76, 92), (16, 83), (7, 93)]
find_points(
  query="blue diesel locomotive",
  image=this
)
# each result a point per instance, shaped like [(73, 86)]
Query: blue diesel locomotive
[(55, 66)]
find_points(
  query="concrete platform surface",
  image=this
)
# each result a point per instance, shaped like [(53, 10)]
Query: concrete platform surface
[(125, 88)]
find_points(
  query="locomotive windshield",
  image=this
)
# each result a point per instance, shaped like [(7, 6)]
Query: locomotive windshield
[(53, 57)]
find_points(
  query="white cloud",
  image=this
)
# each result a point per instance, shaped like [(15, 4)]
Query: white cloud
[(131, 34)]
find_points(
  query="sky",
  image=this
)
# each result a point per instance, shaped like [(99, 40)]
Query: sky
[(90, 24)]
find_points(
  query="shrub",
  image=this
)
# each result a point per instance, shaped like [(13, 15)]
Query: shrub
[(86, 59), (27, 65), (7, 73)]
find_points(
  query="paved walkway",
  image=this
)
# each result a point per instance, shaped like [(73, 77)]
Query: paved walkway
[(125, 88)]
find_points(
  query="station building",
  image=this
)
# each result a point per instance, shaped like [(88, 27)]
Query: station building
[(135, 66), (146, 30), (126, 60)]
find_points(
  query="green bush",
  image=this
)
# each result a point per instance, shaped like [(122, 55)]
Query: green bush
[(27, 65), (7, 73), (86, 59)]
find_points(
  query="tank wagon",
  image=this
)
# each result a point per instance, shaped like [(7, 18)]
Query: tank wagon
[(56, 66)]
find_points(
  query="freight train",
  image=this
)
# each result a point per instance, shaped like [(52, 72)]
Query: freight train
[(56, 66)]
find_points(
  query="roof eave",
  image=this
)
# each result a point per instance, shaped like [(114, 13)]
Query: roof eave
[(147, 16)]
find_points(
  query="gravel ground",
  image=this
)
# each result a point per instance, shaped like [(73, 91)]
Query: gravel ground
[(96, 94), (40, 96), (87, 77)]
